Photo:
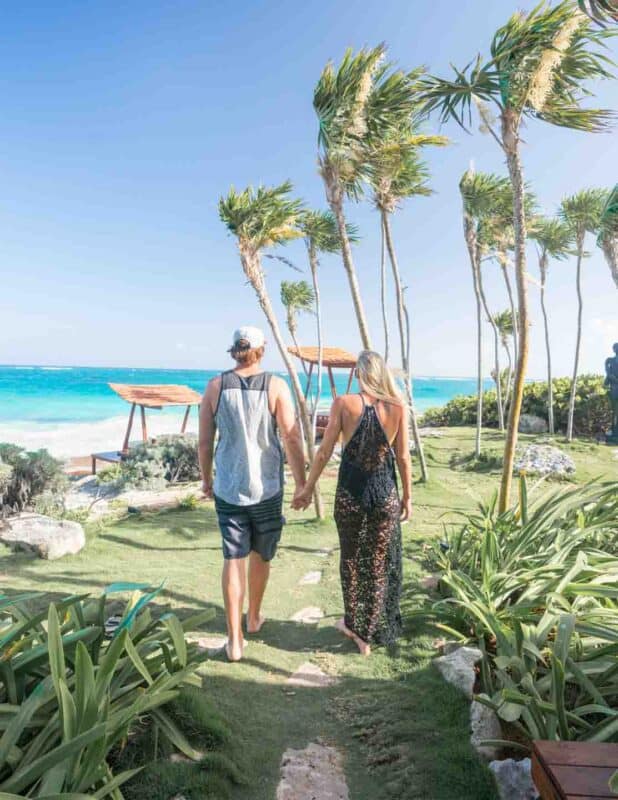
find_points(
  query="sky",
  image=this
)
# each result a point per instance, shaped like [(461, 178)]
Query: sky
[(123, 123)]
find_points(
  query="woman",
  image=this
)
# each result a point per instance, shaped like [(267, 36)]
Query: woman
[(374, 428)]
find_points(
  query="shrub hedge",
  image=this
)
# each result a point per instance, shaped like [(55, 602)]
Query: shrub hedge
[(25, 475), (171, 459), (592, 410)]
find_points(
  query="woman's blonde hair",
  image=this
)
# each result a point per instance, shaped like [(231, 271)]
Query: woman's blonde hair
[(376, 379)]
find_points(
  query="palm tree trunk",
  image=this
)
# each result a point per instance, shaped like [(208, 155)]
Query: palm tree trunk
[(509, 289), (293, 329), (336, 204), (507, 388), (550, 388), (494, 327), (405, 344), (253, 271), (470, 238), (510, 138), (580, 306), (383, 288), (313, 264)]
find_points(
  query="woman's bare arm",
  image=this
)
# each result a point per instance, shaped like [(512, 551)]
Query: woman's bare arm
[(401, 446), (322, 457)]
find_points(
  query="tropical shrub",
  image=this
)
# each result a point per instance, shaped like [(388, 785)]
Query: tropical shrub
[(29, 474), (69, 695), (592, 410), (536, 588), (171, 459)]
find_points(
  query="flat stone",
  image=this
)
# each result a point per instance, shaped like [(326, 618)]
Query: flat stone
[(430, 582), (311, 577), (324, 552), (308, 616), (315, 773), (311, 676), (514, 779), (210, 644), (484, 725), (458, 668), (530, 423), (46, 537)]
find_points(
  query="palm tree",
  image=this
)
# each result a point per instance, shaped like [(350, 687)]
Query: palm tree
[(582, 213), (506, 328), (321, 234), (355, 104), (539, 62), (296, 296), (383, 292), (608, 233), (396, 172), (261, 218), (479, 193), (554, 239), (600, 10)]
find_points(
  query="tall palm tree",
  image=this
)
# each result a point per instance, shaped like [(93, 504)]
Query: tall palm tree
[(506, 328), (296, 297), (261, 218), (582, 213), (396, 172), (554, 239), (321, 234), (383, 304), (479, 194), (602, 11), (538, 64), (608, 233), (355, 104)]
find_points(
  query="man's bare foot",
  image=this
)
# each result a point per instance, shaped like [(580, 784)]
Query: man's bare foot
[(255, 625), (234, 651)]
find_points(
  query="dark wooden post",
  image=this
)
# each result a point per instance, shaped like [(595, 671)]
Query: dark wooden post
[(125, 446), (331, 378), (309, 374), (144, 430), (185, 419), (350, 379)]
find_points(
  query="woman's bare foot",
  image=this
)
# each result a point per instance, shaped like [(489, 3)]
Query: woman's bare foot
[(363, 647), (234, 651), (343, 628), (255, 625)]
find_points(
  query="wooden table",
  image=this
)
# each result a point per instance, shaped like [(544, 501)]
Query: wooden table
[(574, 770)]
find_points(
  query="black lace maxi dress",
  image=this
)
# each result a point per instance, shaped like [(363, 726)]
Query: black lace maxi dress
[(367, 512)]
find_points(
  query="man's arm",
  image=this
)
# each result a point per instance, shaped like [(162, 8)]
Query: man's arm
[(206, 442), (290, 431)]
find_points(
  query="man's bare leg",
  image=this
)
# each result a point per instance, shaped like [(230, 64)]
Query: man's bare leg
[(233, 583), (259, 571)]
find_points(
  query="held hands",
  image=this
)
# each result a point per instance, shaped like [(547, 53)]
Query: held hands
[(406, 509), (302, 498)]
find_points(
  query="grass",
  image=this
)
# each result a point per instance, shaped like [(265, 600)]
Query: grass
[(404, 732)]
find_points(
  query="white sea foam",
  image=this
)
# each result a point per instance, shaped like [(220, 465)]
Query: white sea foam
[(55, 369)]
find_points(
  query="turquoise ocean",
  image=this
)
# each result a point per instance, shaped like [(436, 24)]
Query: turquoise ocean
[(51, 396)]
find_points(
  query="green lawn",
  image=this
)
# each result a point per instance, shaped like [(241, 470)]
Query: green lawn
[(402, 729)]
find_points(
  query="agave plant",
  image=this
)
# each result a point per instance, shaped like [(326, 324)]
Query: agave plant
[(69, 695)]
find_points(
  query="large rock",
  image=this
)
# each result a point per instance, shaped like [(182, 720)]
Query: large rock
[(48, 538), (514, 779), (530, 423), (541, 459), (458, 668), (484, 725)]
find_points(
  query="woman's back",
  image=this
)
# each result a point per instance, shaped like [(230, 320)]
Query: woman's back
[(353, 407)]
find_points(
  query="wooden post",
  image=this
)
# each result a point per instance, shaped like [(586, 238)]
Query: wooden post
[(144, 430), (185, 420), (350, 379), (331, 378), (309, 374), (125, 446)]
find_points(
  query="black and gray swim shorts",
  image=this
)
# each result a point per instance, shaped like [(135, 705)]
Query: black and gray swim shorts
[(245, 528)]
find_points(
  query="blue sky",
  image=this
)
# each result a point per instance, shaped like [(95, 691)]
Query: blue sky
[(123, 123)]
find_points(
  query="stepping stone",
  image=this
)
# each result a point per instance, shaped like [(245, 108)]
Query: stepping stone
[(315, 773), (311, 577), (430, 582), (308, 616), (325, 552), (311, 676), (212, 644)]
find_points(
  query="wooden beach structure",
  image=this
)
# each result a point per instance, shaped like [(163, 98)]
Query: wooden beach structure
[(332, 358), (153, 396), (574, 770)]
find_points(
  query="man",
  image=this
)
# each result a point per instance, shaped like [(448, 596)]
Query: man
[(248, 407)]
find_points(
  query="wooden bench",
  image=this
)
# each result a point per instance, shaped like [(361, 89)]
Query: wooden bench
[(574, 770)]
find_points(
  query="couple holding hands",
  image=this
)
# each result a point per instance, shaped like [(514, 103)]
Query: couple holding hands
[(253, 414)]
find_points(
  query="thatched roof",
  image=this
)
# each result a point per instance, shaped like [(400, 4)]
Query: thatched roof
[(331, 356), (156, 396)]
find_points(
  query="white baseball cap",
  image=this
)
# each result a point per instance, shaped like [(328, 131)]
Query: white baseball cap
[(253, 336)]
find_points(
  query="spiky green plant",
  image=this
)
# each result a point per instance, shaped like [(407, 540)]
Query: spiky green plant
[(554, 239), (261, 218), (538, 66), (582, 213), (608, 233)]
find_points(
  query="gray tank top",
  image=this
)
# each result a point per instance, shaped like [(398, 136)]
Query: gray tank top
[(248, 457)]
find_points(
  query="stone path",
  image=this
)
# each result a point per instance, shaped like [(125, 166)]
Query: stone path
[(311, 676), (315, 773), (311, 578), (308, 616)]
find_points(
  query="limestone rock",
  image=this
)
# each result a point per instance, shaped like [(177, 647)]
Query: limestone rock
[(310, 578), (308, 616), (311, 676), (530, 423), (514, 779), (315, 773), (47, 537), (544, 460), (484, 724), (211, 644), (458, 668)]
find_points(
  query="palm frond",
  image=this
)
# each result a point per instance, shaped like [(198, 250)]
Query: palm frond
[(320, 229), (297, 296), (554, 237), (608, 227), (601, 11), (582, 211)]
